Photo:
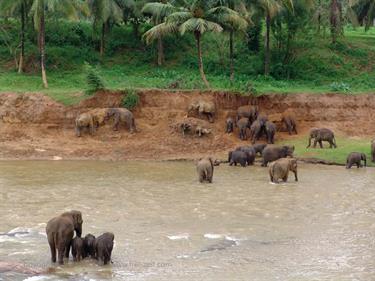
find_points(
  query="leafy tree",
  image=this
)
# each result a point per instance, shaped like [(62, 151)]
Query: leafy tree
[(365, 11), (335, 19)]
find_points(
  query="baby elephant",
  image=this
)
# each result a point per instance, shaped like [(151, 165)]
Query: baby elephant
[(279, 169), (84, 120), (121, 116), (229, 125), (88, 245), (77, 249), (205, 169), (104, 246), (355, 158)]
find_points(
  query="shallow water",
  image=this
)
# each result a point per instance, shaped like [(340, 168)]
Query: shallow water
[(168, 226)]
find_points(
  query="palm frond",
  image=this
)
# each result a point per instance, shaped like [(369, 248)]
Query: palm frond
[(160, 30)]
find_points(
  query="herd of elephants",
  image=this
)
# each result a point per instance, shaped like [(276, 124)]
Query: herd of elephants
[(279, 159)]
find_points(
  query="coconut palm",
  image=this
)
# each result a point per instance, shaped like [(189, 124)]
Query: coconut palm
[(197, 17), (158, 12), (39, 8), (104, 12), (364, 10), (335, 19), (18, 8)]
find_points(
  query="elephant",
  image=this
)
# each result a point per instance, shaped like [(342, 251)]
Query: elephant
[(258, 148), (121, 115), (270, 131), (273, 152), (103, 247), (98, 116), (60, 232), (242, 125), (238, 156), (88, 245), (290, 124), (262, 119), (322, 134), (78, 248), (203, 108), (200, 131), (280, 168), (205, 169), (229, 125), (256, 130), (250, 151), (248, 111), (373, 150), (84, 120), (355, 158), (193, 126)]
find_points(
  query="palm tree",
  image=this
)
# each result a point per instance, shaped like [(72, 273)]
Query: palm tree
[(364, 10), (104, 12), (232, 22), (158, 12), (18, 8), (335, 19), (69, 8), (198, 18)]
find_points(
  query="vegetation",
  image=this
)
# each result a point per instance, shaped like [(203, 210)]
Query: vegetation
[(130, 100), (299, 56)]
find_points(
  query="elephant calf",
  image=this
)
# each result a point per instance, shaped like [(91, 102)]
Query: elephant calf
[(83, 121), (88, 245), (280, 168), (104, 247), (205, 169), (78, 249), (355, 158), (243, 124), (322, 134), (270, 131), (239, 157), (250, 154), (121, 116), (290, 124), (203, 108), (229, 125)]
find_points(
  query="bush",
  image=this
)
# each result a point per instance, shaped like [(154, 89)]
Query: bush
[(340, 87), (93, 79), (130, 100)]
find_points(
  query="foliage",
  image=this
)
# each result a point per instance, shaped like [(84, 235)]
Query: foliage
[(340, 87), (131, 99), (93, 79)]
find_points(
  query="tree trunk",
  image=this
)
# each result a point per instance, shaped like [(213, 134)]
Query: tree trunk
[(200, 60), (334, 20), (102, 39), (42, 46), (22, 54), (231, 54), (267, 50), (161, 58)]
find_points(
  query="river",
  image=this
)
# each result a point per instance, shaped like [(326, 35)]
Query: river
[(168, 226)]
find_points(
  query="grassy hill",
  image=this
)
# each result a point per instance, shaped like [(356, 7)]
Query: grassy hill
[(317, 65)]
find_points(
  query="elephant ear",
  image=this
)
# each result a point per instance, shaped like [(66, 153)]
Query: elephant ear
[(77, 217)]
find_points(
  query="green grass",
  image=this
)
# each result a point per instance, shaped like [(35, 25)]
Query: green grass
[(345, 145)]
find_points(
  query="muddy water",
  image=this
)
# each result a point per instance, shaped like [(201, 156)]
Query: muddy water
[(167, 226)]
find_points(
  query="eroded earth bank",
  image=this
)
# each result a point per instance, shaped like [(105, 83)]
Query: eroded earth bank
[(32, 126)]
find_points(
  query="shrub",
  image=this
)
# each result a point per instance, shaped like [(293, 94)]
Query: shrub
[(93, 79), (340, 87), (131, 99)]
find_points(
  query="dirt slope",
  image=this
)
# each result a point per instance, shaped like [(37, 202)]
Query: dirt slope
[(33, 126)]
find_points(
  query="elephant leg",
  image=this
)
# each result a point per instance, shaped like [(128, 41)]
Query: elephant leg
[(67, 248), (315, 142), (210, 117), (78, 131), (61, 252), (116, 122), (358, 165), (295, 176), (201, 177), (350, 165), (53, 250), (264, 163), (285, 179), (231, 163), (321, 143)]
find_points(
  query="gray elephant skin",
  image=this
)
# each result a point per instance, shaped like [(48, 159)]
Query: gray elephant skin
[(322, 134), (205, 169), (248, 111), (243, 124), (77, 249), (206, 108), (270, 132), (258, 148), (240, 157), (60, 231), (355, 158), (279, 169), (373, 150), (229, 125), (103, 247), (290, 124), (84, 121), (121, 116), (274, 152), (250, 153), (88, 245)]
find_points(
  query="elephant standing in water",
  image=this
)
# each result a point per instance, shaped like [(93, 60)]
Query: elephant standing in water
[(320, 135), (273, 152), (205, 169), (78, 249), (355, 158), (104, 247), (60, 231), (279, 169)]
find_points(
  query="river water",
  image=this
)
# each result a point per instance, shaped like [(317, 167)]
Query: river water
[(167, 226)]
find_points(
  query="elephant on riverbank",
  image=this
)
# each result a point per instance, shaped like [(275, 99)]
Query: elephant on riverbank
[(248, 111), (84, 121), (280, 168), (270, 132), (255, 131), (250, 153), (355, 158), (121, 116), (104, 247), (243, 124), (88, 246), (205, 169), (290, 124), (206, 108), (229, 125), (60, 231), (258, 148), (373, 150), (274, 152), (322, 134), (78, 249), (238, 157)]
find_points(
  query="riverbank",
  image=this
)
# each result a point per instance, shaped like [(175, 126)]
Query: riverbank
[(35, 127)]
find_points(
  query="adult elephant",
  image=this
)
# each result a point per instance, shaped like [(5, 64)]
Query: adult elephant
[(355, 158), (270, 131), (121, 116), (203, 108), (248, 111), (250, 153), (60, 231), (274, 152), (290, 124), (205, 169), (243, 124), (256, 130), (322, 134), (279, 169)]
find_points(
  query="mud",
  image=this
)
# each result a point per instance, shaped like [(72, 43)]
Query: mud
[(33, 126)]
